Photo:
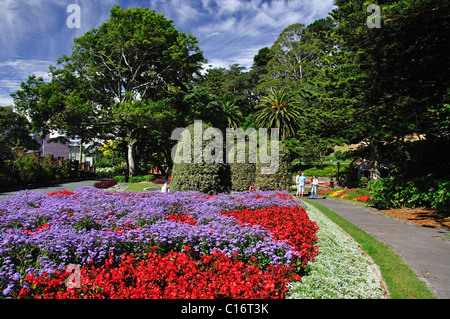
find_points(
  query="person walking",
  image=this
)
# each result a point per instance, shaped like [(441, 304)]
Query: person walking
[(315, 184)]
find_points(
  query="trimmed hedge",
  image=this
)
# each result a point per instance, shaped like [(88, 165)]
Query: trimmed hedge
[(282, 179), (208, 178), (242, 174)]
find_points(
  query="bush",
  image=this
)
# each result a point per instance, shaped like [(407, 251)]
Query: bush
[(427, 192), (6, 173), (141, 178), (209, 178), (105, 184), (327, 171), (104, 171), (242, 174), (282, 179), (119, 178), (160, 181)]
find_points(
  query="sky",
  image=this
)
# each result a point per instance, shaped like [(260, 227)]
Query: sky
[(35, 33)]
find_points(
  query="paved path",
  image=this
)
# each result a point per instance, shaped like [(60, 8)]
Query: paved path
[(54, 188), (425, 249)]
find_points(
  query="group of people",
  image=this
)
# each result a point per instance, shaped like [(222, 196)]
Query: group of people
[(300, 180)]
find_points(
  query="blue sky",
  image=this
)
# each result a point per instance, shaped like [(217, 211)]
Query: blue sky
[(34, 33)]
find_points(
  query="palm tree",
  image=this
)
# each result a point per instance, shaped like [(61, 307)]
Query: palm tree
[(277, 110), (231, 112)]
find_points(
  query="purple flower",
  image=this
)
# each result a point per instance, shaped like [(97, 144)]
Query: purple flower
[(41, 233)]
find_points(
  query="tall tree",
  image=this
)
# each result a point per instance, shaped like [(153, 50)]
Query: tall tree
[(293, 56), (398, 80), (125, 68), (278, 110), (14, 130)]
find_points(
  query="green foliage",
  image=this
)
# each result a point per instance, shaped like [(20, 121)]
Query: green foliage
[(6, 173), (14, 130), (282, 179), (206, 178), (209, 178), (327, 171), (242, 174), (293, 54), (27, 168), (139, 179), (30, 169), (427, 192), (278, 110), (119, 178)]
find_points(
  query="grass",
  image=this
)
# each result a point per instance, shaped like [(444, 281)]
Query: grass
[(400, 279), (139, 187)]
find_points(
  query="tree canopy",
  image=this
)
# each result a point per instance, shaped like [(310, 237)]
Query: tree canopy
[(338, 80)]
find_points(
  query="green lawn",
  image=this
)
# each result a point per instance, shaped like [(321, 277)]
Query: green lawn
[(139, 187), (400, 279)]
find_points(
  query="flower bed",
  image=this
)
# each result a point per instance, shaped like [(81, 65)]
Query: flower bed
[(356, 194), (109, 234), (342, 270), (105, 184)]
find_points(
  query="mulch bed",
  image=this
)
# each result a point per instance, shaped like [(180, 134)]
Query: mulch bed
[(420, 216)]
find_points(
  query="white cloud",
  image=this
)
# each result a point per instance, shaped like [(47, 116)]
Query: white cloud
[(13, 72), (34, 32), (235, 25)]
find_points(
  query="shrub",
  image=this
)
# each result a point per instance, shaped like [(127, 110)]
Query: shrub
[(105, 184), (119, 178), (427, 192), (282, 179), (141, 178), (242, 174), (104, 171), (207, 178), (6, 173), (160, 181), (327, 171)]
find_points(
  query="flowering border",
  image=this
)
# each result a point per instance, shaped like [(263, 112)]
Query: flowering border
[(88, 227)]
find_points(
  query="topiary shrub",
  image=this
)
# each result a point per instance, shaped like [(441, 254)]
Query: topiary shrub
[(209, 178), (282, 178), (242, 174)]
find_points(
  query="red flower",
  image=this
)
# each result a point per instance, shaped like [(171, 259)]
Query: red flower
[(174, 275), (363, 199)]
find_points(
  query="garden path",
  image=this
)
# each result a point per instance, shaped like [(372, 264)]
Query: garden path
[(425, 249), (54, 188)]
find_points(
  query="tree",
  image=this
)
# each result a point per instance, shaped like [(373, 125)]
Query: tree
[(191, 172), (14, 130), (277, 110), (280, 180), (293, 56), (122, 71), (397, 80)]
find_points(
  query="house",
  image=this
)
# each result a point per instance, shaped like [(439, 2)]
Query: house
[(69, 150)]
